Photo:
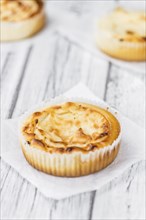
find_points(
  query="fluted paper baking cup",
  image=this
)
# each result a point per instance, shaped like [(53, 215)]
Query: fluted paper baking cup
[(70, 164)]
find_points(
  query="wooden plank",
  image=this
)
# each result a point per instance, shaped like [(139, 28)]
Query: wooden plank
[(5, 58), (81, 8), (60, 67), (55, 73), (11, 80), (73, 208), (125, 91), (124, 199), (21, 198), (18, 86)]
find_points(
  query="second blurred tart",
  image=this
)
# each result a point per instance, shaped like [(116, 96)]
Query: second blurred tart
[(122, 34)]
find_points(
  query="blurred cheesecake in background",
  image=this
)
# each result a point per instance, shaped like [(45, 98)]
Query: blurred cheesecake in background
[(20, 18), (122, 34)]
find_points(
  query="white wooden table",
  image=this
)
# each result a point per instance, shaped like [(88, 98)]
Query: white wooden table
[(45, 66)]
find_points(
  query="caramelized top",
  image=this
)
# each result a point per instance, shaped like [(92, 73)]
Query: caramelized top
[(18, 10), (125, 26), (71, 127)]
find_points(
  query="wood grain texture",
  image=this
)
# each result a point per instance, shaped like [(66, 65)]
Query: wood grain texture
[(49, 69), (120, 199), (56, 76), (126, 92)]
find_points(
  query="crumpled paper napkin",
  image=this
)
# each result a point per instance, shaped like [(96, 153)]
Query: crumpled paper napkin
[(132, 150)]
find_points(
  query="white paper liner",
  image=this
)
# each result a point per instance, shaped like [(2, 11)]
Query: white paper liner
[(132, 151)]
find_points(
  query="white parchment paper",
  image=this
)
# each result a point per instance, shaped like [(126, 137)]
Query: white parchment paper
[(132, 150)]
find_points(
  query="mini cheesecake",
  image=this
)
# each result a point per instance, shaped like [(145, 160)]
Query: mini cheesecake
[(70, 139), (122, 34), (20, 19)]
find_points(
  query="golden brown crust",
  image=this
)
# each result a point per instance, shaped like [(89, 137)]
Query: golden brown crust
[(71, 127), (19, 10)]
